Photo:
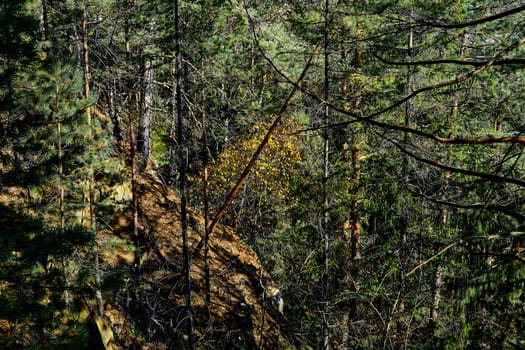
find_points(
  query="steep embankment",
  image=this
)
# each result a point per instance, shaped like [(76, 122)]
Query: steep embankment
[(240, 318)]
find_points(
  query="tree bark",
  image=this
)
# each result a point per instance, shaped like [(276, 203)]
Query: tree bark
[(61, 204), (91, 186), (325, 236), (132, 149), (205, 195), (355, 217), (45, 19), (145, 118), (117, 132), (182, 178), (438, 283)]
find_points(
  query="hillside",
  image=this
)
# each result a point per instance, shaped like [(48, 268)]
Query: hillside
[(235, 270), (151, 314)]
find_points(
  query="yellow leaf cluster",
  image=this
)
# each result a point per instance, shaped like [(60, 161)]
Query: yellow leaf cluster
[(272, 170)]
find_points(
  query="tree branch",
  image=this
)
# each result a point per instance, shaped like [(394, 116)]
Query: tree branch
[(460, 241), (361, 117), (487, 206), (262, 145), (456, 81), (370, 118), (441, 252), (445, 140), (475, 22), (459, 170), (501, 62)]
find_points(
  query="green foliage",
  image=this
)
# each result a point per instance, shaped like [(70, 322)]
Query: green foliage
[(423, 205), (18, 40), (32, 278)]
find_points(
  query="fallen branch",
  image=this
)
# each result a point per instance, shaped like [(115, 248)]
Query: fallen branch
[(260, 148), (441, 252)]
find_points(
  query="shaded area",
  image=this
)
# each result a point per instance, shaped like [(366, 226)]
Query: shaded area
[(33, 282)]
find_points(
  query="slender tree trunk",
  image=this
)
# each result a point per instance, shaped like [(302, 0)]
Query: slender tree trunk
[(325, 236), (452, 124), (345, 329), (438, 283), (205, 160), (182, 178), (85, 65), (172, 146), (355, 230), (399, 307), (62, 223), (444, 212), (132, 152), (393, 329), (85, 60), (117, 132), (355, 217), (144, 130), (45, 19), (60, 164), (352, 152), (91, 187)]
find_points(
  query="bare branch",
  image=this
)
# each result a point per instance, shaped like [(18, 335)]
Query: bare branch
[(362, 118), (370, 118), (446, 140), (461, 241), (487, 176), (441, 252), (475, 22), (456, 81), (488, 206), (262, 145), (501, 62)]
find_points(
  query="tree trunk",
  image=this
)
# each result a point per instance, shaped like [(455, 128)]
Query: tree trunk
[(355, 217), (344, 326), (45, 19), (355, 205), (91, 186), (132, 152), (438, 283), (62, 218), (143, 137), (325, 244), (182, 179), (205, 161), (117, 132), (398, 309)]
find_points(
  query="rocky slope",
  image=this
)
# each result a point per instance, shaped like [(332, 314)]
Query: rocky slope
[(239, 285)]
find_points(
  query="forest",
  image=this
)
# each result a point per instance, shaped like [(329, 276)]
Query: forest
[(281, 174)]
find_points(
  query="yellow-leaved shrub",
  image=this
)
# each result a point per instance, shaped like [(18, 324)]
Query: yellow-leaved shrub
[(272, 170), (268, 182)]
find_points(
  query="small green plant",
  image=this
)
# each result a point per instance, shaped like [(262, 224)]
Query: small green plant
[(138, 335)]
